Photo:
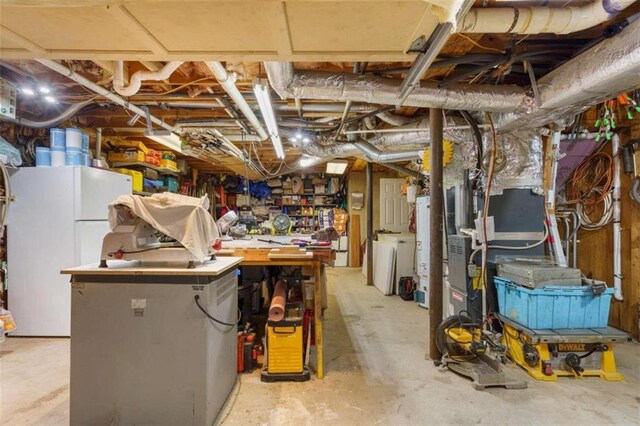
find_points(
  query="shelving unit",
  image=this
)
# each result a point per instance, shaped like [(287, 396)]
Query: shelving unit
[(161, 170)]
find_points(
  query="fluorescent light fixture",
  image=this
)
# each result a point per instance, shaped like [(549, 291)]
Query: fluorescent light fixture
[(50, 99), (261, 89), (28, 91), (307, 161), (337, 167), (44, 90), (170, 141)]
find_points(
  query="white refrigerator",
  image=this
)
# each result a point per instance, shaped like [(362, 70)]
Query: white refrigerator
[(423, 212), (58, 220)]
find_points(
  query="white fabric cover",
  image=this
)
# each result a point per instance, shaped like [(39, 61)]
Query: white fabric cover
[(186, 219)]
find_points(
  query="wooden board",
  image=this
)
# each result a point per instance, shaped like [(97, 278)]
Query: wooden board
[(125, 267), (290, 252), (354, 241), (595, 257)]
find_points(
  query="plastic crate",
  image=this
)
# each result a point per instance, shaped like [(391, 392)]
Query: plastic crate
[(553, 306)]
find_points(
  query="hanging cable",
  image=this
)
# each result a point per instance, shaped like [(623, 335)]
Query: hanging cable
[(591, 189)]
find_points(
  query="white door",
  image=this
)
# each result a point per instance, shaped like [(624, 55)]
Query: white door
[(394, 209)]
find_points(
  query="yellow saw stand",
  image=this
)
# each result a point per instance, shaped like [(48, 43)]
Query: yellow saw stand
[(549, 354)]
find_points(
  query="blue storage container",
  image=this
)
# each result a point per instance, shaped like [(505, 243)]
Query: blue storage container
[(553, 306)]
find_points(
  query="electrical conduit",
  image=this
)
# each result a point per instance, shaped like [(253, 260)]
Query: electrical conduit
[(617, 230)]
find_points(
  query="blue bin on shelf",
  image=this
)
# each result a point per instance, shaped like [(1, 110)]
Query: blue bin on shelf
[(553, 306)]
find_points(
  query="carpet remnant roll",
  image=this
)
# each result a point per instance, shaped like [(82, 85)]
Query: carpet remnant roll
[(278, 302)]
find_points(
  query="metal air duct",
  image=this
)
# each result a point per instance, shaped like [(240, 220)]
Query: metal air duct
[(377, 90)]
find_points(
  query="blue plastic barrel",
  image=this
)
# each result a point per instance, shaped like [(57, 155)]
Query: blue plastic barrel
[(57, 138), (85, 142), (74, 157), (43, 156)]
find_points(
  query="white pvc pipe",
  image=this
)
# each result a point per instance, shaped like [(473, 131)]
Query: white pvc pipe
[(229, 85), (61, 69), (537, 20), (135, 81), (617, 230)]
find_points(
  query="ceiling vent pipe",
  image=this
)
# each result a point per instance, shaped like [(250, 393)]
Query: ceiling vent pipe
[(377, 156), (228, 83), (135, 81), (537, 20), (376, 90)]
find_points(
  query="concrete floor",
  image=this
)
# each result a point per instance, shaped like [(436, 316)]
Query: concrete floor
[(376, 373)]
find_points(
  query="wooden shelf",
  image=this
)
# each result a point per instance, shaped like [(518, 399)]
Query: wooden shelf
[(149, 166)]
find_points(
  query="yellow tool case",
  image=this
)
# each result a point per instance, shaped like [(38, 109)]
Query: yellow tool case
[(285, 349)]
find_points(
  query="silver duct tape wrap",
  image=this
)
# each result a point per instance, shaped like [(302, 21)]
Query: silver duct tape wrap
[(518, 160)]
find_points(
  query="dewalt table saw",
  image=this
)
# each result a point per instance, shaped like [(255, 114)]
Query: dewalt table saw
[(549, 354)]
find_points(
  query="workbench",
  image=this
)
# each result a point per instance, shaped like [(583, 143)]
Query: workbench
[(256, 253)]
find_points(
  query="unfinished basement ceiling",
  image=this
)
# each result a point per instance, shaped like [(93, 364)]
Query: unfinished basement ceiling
[(361, 41)]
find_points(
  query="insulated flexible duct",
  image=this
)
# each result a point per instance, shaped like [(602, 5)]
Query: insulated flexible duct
[(376, 90)]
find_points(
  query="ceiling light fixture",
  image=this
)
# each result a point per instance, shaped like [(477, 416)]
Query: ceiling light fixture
[(306, 140), (28, 91), (298, 135), (44, 90), (163, 137), (50, 99), (170, 140), (261, 89), (337, 167)]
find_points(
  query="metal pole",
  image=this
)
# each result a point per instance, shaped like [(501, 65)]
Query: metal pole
[(369, 196), (435, 255)]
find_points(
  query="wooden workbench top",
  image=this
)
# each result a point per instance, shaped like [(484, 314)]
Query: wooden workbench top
[(124, 267)]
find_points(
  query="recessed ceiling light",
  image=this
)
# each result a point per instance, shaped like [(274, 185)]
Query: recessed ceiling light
[(306, 140), (28, 91), (50, 99), (298, 135), (44, 90), (293, 139)]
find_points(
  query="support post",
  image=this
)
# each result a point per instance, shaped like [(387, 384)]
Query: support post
[(369, 198), (436, 217)]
